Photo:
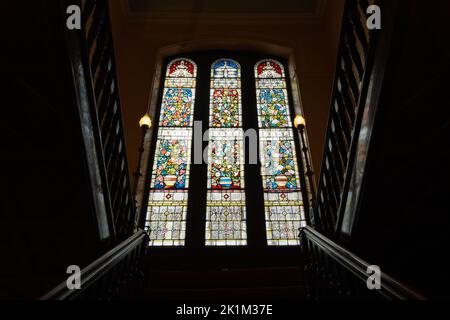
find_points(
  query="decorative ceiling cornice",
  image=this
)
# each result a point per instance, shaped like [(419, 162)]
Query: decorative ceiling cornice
[(222, 18)]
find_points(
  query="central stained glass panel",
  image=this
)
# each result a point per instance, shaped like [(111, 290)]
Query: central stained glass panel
[(226, 211)]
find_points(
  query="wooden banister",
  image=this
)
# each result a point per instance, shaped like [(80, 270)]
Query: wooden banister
[(118, 272), (335, 273), (347, 107), (91, 52)]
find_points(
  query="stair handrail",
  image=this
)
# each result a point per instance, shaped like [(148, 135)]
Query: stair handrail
[(98, 268), (390, 288), (350, 88)]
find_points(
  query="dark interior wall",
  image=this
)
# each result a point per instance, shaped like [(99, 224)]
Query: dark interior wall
[(139, 39), (404, 219), (46, 214)]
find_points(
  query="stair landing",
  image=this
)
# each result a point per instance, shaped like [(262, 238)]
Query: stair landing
[(274, 283)]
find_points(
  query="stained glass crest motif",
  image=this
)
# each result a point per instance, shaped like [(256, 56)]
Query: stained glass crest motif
[(168, 197), (272, 95), (177, 108), (226, 211), (226, 69), (226, 95), (269, 69), (182, 68), (283, 200)]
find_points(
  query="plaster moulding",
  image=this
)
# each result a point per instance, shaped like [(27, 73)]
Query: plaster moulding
[(220, 18)]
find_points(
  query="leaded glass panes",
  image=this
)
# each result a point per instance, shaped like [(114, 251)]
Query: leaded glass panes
[(226, 212), (273, 108), (171, 170), (226, 218), (168, 198), (281, 178), (226, 106), (226, 159), (278, 160), (177, 107), (226, 97)]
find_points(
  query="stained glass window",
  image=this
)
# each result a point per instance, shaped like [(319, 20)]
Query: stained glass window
[(226, 212), (283, 200), (168, 198)]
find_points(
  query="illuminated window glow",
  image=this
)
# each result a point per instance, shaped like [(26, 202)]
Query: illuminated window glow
[(283, 200), (226, 212), (168, 198)]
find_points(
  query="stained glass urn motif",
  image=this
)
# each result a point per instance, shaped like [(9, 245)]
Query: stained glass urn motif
[(170, 181), (281, 181), (226, 182)]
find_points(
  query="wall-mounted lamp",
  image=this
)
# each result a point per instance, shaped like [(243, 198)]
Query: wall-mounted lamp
[(300, 122), (146, 122)]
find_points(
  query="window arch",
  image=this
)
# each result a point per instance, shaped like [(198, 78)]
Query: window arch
[(168, 196), (219, 202), (226, 212), (283, 200)]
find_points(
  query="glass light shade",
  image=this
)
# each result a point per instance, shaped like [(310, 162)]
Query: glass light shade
[(145, 122), (299, 122)]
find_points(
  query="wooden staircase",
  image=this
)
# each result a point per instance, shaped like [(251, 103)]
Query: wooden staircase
[(274, 283)]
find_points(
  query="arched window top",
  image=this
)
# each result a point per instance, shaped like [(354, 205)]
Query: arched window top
[(226, 208), (182, 68), (226, 68), (269, 69)]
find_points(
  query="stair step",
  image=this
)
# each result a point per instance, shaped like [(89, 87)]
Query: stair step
[(272, 293), (273, 283)]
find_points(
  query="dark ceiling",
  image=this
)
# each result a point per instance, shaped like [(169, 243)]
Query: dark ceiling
[(225, 6)]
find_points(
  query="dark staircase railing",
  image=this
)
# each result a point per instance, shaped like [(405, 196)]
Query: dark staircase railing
[(334, 273), (102, 64), (331, 271), (92, 56), (119, 274), (350, 88)]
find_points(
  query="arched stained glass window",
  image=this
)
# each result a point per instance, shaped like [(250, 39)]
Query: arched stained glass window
[(168, 198), (224, 198), (226, 212), (281, 178)]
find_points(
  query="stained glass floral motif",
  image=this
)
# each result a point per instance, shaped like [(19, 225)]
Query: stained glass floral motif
[(225, 108), (168, 198), (226, 159), (279, 162), (172, 154), (280, 172), (177, 108), (226, 212), (273, 108), (273, 102), (226, 97)]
